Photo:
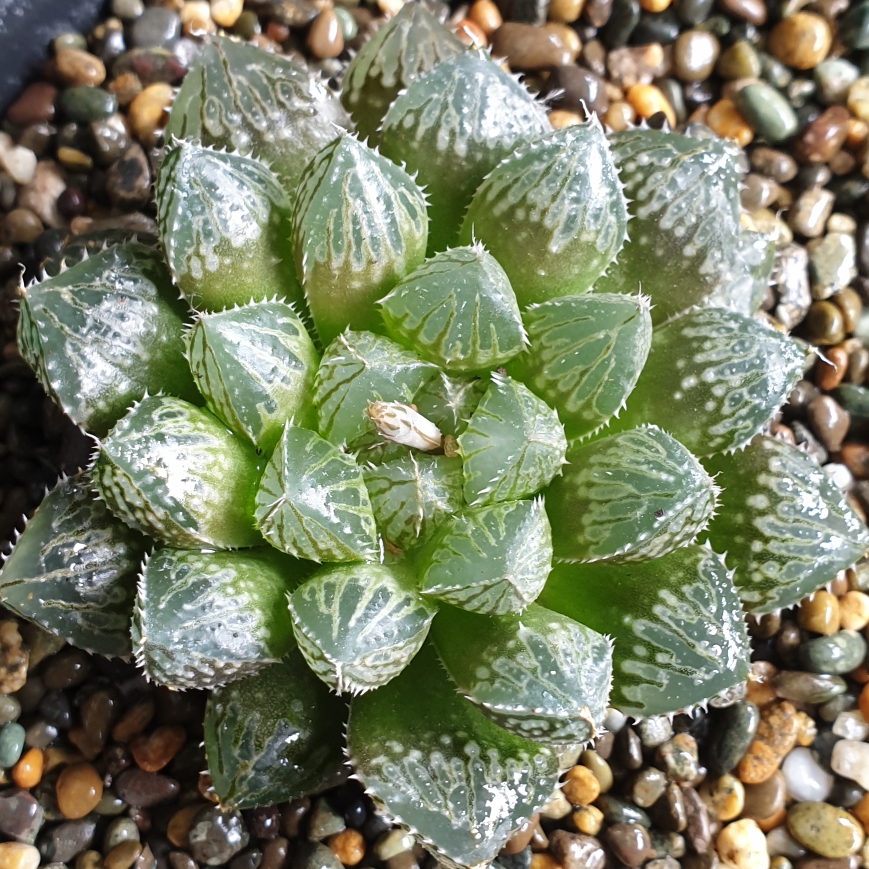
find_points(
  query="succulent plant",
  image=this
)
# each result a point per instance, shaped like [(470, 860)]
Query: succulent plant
[(477, 496)]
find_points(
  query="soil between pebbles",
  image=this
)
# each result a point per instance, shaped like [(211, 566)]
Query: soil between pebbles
[(100, 770)]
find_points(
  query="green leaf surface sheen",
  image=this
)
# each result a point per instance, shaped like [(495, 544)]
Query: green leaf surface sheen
[(358, 368), (273, 736), (444, 770), (678, 626), (449, 401), (452, 126), (513, 446), (713, 378), (174, 472), (204, 618), (103, 332), (225, 224), (491, 560), (258, 103), (457, 310), (552, 213), (585, 355), (312, 501), (539, 675), (631, 496), (409, 44), (359, 227), (358, 625), (747, 285), (255, 365), (73, 570), (784, 526)]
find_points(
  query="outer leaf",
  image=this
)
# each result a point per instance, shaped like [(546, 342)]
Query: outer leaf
[(442, 768), (358, 625), (102, 333), (552, 213), (784, 525), (73, 570), (632, 496), (452, 126), (225, 223), (539, 675), (255, 366), (239, 97), (174, 472), (489, 559), (358, 368), (204, 618), (359, 227), (513, 446), (312, 501), (679, 632), (449, 401), (411, 495), (273, 736), (585, 356), (713, 378)]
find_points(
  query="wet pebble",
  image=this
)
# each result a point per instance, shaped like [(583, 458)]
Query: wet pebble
[(775, 737), (832, 263), (724, 797), (12, 737), (801, 40), (805, 778), (765, 799), (766, 111), (577, 86), (837, 654), (144, 789), (809, 213), (156, 27), (630, 843), (21, 815), (735, 729), (78, 790), (850, 759), (576, 851), (829, 422), (825, 829), (819, 140), (648, 786), (802, 687), (15, 855), (850, 724), (694, 55), (64, 841)]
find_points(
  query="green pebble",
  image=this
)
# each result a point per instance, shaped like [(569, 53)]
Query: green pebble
[(834, 77), (119, 830), (69, 40), (717, 25), (347, 23), (831, 710), (110, 804), (694, 11), (808, 687), (247, 24), (766, 111), (825, 829), (774, 71), (10, 709), (84, 104), (11, 743), (736, 727), (739, 61), (617, 811), (853, 27), (836, 654), (672, 90)]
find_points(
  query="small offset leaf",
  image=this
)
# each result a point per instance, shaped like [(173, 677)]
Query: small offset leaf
[(512, 447), (273, 736), (258, 103), (73, 570), (411, 495), (539, 675), (678, 626), (457, 310), (312, 501), (785, 527), (225, 224), (103, 332), (452, 126), (632, 496), (409, 44), (358, 625), (552, 213), (745, 289), (489, 559), (204, 618), (585, 355), (255, 365), (713, 378), (359, 227), (358, 368), (441, 768), (449, 402), (174, 472)]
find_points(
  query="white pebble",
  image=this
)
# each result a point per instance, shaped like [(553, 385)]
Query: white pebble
[(806, 779), (851, 725), (839, 476), (851, 760), (557, 807), (780, 843), (614, 720), (742, 845), (655, 731)]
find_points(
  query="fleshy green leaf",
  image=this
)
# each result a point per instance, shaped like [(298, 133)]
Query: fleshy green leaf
[(273, 736), (73, 570), (449, 402), (204, 618), (745, 289), (441, 768), (512, 447), (785, 527), (552, 213), (103, 332), (225, 224), (358, 625), (174, 472), (713, 378), (359, 227), (677, 622), (491, 559), (312, 501), (585, 355), (255, 365), (632, 496), (539, 675)]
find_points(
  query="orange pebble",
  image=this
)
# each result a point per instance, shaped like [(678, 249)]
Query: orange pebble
[(348, 846), (580, 786), (854, 610), (562, 118), (648, 100), (773, 821), (858, 132), (820, 613), (486, 15), (27, 773), (655, 5), (830, 370), (619, 116), (728, 123), (471, 34), (544, 860), (860, 675), (863, 702), (178, 829), (78, 790)]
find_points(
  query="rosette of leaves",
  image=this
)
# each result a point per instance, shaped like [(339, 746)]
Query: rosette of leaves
[(501, 483)]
